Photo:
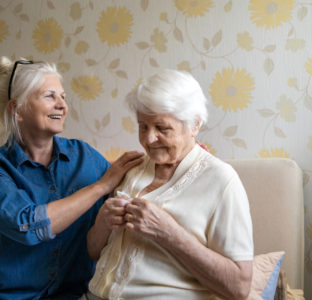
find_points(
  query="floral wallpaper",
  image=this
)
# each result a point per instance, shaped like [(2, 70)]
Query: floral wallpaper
[(253, 59)]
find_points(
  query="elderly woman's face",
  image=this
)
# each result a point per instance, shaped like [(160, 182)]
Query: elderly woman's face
[(45, 111), (164, 138)]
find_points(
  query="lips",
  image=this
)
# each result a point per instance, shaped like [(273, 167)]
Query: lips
[(156, 148), (55, 117)]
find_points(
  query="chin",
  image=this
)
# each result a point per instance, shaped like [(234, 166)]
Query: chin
[(160, 160), (56, 131)]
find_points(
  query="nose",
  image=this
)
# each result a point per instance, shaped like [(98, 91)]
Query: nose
[(151, 136), (60, 102)]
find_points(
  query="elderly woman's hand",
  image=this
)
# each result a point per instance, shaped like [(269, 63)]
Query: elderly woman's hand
[(111, 215), (149, 220)]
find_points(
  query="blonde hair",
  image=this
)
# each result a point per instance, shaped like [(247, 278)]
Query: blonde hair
[(27, 78)]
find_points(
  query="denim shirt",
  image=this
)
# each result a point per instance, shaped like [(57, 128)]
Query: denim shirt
[(34, 264)]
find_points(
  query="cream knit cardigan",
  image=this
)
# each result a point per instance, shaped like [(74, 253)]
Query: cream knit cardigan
[(207, 198)]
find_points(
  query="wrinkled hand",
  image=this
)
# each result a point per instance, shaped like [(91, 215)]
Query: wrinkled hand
[(110, 216), (119, 168), (148, 219), (112, 213)]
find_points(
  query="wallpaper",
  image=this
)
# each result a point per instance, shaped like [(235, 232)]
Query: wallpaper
[(252, 58)]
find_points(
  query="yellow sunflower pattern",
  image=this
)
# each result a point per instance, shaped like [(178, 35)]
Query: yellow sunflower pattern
[(245, 41), (87, 87), (308, 66), (114, 26), (295, 45), (251, 57), (286, 109), (209, 148), (271, 13), (231, 89), (47, 36), (159, 40), (194, 8), (4, 30), (273, 152)]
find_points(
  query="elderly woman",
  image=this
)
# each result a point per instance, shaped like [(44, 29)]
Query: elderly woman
[(179, 226), (51, 188)]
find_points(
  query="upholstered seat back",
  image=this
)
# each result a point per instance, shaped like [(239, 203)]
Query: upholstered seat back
[(275, 191)]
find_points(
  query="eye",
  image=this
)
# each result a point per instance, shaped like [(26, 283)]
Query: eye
[(49, 96), (163, 129), (142, 127)]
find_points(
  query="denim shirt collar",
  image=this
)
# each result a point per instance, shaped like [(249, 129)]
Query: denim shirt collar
[(18, 156), (60, 150)]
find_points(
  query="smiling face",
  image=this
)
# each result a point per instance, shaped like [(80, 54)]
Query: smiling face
[(45, 111), (164, 138)]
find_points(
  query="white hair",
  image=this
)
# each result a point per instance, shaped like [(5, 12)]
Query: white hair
[(27, 79), (170, 92)]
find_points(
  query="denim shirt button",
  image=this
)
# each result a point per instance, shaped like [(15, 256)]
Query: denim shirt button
[(53, 275), (56, 251), (52, 187)]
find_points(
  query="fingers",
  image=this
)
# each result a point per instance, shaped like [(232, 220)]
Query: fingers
[(130, 160), (130, 157), (137, 204), (113, 211), (130, 217), (114, 207), (119, 168), (116, 202), (117, 220), (136, 210), (132, 163)]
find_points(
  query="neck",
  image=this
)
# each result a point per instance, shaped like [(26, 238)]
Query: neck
[(39, 150), (165, 172)]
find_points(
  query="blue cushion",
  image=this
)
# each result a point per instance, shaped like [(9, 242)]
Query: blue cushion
[(269, 291)]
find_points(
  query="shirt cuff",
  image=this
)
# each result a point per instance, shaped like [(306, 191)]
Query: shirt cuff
[(43, 233)]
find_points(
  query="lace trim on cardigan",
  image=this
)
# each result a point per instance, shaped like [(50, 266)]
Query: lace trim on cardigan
[(135, 251), (126, 268), (186, 180)]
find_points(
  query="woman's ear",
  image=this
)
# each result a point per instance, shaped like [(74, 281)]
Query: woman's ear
[(12, 106), (196, 128)]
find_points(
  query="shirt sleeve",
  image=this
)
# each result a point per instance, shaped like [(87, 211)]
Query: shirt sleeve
[(20, 219), (101, 167), (44, 233), (230, 232)]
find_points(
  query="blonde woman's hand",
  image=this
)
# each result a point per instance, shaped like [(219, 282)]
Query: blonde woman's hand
[(118, 169)]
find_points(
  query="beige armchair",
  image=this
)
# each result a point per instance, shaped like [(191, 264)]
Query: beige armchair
[(275, 191)]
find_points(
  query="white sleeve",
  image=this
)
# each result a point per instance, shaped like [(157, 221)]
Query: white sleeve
[(230, 229)]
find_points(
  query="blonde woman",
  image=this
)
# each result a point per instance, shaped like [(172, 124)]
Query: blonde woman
[(51, 188)]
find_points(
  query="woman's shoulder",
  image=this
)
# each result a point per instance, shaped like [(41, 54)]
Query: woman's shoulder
[(78, 148), (70, 142), (3, 150), (74, 144), (216, 165), (138, 170)]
